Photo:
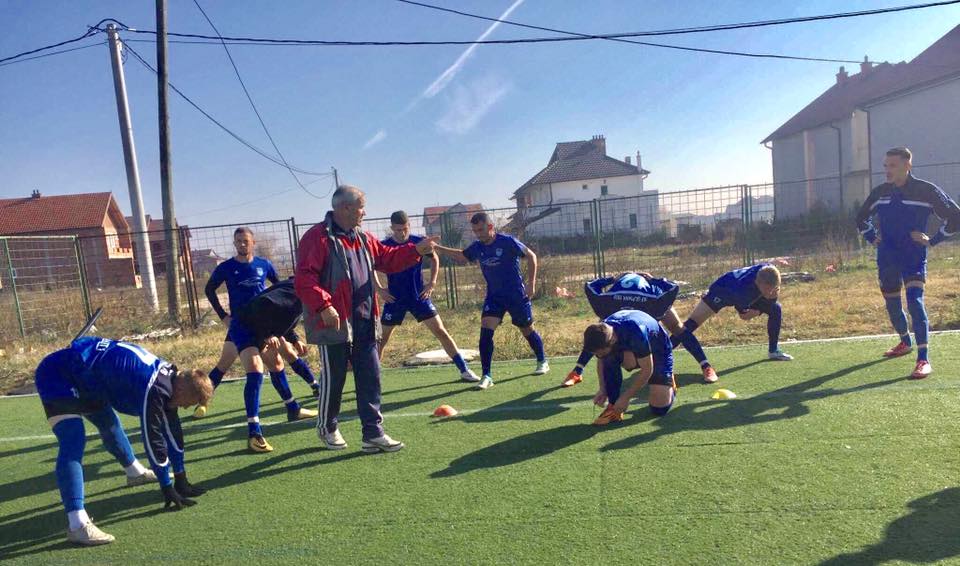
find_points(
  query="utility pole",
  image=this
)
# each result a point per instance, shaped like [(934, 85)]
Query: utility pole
[(166, 180), (336, 178), (141, 237)]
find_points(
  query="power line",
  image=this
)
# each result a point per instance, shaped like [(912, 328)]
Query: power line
[(252, 105), (232, 134), (52, 53)]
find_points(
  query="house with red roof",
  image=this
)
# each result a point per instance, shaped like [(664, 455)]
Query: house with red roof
[(831, 152), (94, 217), (578, 171), (457, 216)]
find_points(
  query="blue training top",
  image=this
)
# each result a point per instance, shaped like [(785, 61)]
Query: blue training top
[(902, 210), (739, 286), (638, 332), (407, 284), (500, 264), (244, 282), (608, 295)]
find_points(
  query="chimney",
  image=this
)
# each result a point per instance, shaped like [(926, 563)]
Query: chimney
[(842, 76), (35, 194), (600, 142), (638, 160), (626, 160), (865, 66)]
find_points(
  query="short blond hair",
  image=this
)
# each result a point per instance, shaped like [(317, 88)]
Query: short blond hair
[(191, 387), (769, 275), (901, 152)]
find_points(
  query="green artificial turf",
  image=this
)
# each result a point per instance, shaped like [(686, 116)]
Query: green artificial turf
[(833, 458)]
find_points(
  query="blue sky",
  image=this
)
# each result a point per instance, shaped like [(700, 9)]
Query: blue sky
[(418, 126)]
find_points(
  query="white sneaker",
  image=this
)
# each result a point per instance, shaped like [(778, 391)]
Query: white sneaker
[(381, 444), (89, 535), (780, 356), (485, 383), (332, 440), (469, 376), (542, 368), (143, 479)]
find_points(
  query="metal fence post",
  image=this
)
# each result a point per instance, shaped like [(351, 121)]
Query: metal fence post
[(82, 271), (294, 242), (13, 286)]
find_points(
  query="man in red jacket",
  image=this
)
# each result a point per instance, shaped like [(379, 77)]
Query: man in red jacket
[(334, 280)]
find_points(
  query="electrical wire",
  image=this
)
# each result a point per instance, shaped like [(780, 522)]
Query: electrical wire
[(246, 92), (52, 53)]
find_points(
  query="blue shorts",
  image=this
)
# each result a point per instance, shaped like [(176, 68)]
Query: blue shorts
[(896, 267), (394, 313), (241, 336), (58, 387), (520, 309)]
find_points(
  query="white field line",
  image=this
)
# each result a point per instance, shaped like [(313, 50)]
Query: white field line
[(510, 409)]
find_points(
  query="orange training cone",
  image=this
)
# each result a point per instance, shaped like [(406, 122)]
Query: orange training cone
[(445, 411)]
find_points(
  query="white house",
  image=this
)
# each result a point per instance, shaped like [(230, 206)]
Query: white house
[(555, 201), (841, 137)]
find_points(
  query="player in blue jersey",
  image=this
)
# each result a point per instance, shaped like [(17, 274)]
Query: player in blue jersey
[(245, 276), (405, 292), (499, 258), (895, 218), (752, 291), (96, 378), (643, 292), (631, 340)]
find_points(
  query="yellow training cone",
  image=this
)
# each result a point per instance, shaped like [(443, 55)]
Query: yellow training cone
[(723, 394)]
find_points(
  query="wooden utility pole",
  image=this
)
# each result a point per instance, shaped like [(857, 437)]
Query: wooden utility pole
[(166, 177)]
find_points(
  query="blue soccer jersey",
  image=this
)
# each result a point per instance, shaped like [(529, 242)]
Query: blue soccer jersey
[(407, 284), (244, 281), (639, 333), (500, 264), (737, 288), (117, 372), (653, 296)]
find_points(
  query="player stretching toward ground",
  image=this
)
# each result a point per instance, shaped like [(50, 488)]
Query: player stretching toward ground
[(902, 207), (246, 276), (634, 341), (259, 329), (643, 292), (499, 258), (406, 292), (95, 377), (752, 291)]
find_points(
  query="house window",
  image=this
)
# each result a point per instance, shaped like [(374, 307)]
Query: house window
[(603, 190), (586, 226), (633, 220), (585, 187)]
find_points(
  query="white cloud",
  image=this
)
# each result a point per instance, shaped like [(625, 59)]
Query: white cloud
[(375, 139), (445, 77), (471, 103)]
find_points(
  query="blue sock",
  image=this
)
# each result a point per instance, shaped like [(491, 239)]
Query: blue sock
[(536, 344), (660, 411), (280, 383), (459, 362), (898, 318), (251, 401), (486, 349), (774, 320), (918, 314), (216, 376), (582, 361), (114, 439), (301, 368), (690, 342), (69, 469)]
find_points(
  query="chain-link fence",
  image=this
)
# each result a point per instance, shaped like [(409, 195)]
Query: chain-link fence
[(51, 283)]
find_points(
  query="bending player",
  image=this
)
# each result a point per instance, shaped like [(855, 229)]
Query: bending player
[(246, 275), (631, 340), (406, 292), (752, 291), (643, 292), (94, 378), (902, 207), (499, 258), (259, 329)]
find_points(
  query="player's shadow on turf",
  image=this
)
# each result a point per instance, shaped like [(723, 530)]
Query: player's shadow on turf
[(45, 532), (264, 467), (929, 533), (779, 404), (526, 408), (47, 482), (519, 449)]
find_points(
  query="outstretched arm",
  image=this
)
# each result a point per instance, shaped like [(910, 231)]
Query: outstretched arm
[(455, 254)]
